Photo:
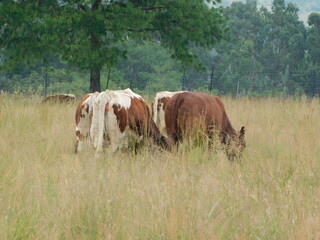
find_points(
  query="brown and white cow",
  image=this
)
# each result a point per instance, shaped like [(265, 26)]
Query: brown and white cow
[(120, 115), (60, 98), (158, 106), (191, 112), (83, 118)]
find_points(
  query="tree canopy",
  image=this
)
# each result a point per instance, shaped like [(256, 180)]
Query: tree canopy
[(90, 34)]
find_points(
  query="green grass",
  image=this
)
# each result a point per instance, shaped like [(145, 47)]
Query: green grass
[(47, 192)]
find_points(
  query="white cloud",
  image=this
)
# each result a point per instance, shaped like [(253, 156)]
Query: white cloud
[(305, 6), (304, 17)]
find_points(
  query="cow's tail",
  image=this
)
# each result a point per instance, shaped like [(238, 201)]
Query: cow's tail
[(98, 120), (94, 129)]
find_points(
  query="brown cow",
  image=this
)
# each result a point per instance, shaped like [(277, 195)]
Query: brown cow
[(192, 112), (83, 117), (119, 116)]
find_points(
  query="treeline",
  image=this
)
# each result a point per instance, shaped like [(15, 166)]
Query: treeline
[(266, 52)]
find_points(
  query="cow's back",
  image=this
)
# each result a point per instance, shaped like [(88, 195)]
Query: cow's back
[(191, 112)]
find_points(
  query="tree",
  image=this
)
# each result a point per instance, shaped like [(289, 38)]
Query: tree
[(149, 67), (239, 57), (313, 41), (284, 48), (92, 33)]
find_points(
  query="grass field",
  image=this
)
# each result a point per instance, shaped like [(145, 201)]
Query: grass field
[(48, 192)]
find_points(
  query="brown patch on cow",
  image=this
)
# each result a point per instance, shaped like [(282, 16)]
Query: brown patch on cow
[(164, 102), (138, 118), (141, 121), (121, 115)]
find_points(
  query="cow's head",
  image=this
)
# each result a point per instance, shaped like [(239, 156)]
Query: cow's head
[(235, 145), (83, 126)]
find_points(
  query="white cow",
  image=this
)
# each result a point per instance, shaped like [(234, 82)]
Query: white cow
[(119, 116)]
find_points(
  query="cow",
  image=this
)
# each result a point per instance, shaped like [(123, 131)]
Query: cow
[(158, 105), (189, 113), (83, 117), (60, 98), (120, 116)]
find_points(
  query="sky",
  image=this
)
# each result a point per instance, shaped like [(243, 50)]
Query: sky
[(305, 6)]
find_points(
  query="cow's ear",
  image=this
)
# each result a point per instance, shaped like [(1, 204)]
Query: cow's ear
[(242, 132)]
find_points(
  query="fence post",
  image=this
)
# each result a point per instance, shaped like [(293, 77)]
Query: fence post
[(46, 82), (183, 84)]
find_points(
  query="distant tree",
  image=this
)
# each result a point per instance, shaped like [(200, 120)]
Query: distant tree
[(149, 67), (284, 46), (90, 34), (314, 38), (238, 61), (311, 71)]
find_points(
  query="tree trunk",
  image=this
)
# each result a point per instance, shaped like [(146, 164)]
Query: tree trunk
[(211, 78), (183, 82), (253, 73), (252, 84), (95, 79), (95, 68), (46, 82), (108, 79)]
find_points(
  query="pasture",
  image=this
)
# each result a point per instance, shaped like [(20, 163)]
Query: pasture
[(48, 192)]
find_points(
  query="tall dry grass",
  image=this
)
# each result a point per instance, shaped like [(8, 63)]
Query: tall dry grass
[(47, 192)]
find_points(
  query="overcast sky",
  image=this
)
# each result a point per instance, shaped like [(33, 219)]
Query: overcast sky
[(305, 6)]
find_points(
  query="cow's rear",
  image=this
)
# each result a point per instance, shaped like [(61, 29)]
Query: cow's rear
[(194, 114), (120, 117)]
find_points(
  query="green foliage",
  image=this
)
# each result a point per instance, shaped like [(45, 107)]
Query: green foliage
[(160, 46), (266, 51), (149, 67), (314, 38), (90, 35)]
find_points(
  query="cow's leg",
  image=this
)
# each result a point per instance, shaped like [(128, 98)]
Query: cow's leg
[(172, 139), (117, 140), (78, 141), (76, 146)]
